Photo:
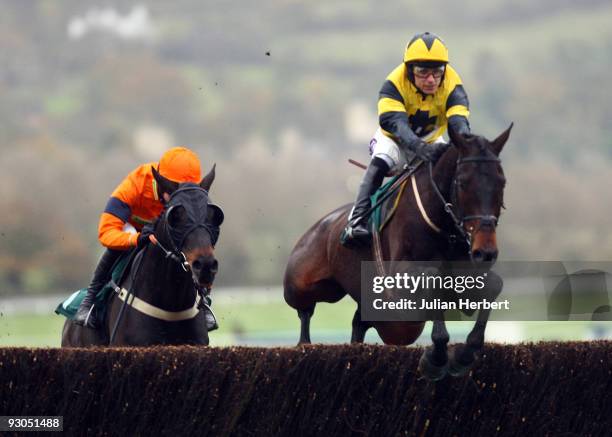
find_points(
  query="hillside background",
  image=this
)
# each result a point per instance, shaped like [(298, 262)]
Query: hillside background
[(279, 94)]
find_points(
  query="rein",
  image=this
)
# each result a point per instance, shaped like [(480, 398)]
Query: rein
[(136, 260), (177, 256), (404, 175), (201, 292)]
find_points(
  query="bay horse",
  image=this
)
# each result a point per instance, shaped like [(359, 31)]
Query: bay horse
[(158, 300), (320, 269)]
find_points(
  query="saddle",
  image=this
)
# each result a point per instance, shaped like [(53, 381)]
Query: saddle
[(383, 213)]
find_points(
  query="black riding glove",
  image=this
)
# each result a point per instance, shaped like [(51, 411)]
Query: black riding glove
[(143, 237), (458, 124), (427, 152), (407, 140), (435, 150), (422, 150)]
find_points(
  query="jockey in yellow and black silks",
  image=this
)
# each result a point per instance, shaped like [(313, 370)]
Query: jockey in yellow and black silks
[(137, 201), (418, 101)]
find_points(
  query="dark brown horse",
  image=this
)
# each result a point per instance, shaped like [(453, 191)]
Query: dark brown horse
[(166, 280), (320, 269)]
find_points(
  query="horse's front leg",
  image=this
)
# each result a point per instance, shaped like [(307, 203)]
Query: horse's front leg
[(463, 356), (305, 316), (359, 327), (434, 361)]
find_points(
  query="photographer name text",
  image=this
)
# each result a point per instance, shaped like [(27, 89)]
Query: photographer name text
[(439, 304)]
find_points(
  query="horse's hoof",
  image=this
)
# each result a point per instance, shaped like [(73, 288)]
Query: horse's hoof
[(456, 368), (430, 370)]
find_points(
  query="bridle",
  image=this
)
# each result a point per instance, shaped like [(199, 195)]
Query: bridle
[(452, 207), (174, 252)]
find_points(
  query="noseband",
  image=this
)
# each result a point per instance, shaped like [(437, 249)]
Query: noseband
[(455, 213)]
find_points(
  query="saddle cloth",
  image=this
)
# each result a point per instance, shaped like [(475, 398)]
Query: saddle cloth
[(383, 212), (69, 307)]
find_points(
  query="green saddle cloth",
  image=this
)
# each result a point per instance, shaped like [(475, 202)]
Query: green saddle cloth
[(377, 217), (69, 307)]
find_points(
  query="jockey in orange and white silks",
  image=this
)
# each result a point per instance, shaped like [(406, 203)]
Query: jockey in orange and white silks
[(137, 201), (418, 101)]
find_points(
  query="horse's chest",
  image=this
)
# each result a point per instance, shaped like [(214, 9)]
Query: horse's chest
[(143, 330)]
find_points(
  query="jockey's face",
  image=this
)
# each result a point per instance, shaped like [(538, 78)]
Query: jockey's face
[(428, 79)]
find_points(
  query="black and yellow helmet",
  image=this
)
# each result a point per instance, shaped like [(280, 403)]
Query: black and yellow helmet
[(426, 47)]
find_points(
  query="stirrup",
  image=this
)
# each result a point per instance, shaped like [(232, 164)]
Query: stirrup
[(209, 316), (346, 235), (349, 239)]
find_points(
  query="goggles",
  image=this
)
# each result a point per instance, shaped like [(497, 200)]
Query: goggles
[(424, 72)]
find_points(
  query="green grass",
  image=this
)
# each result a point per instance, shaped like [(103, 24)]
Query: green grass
[(278, 320), (36, 330), (274, 323), (237, 320)]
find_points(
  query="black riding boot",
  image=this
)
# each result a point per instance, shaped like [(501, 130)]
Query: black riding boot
[(86, 314), (357, 231)]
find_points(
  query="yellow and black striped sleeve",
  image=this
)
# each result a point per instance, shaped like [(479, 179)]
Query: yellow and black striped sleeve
[(457, 102), (392, 116), (457, 110)]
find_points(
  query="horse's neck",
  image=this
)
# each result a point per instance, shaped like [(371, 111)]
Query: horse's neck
[(444, 174), (411, 216), (161, 282)]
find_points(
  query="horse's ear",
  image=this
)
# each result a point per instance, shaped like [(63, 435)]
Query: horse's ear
[(498, 143), (208, 179), (163, 185)]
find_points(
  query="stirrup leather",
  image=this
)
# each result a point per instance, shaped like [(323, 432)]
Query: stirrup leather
[(87, 323)]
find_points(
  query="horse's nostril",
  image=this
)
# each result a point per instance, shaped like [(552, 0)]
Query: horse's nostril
[(214, 268), (480, 255), (491, 256), (197, 265)]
